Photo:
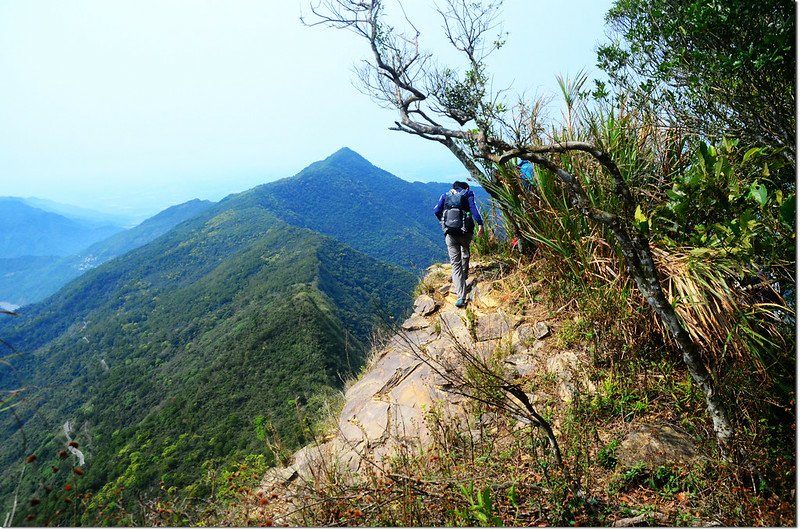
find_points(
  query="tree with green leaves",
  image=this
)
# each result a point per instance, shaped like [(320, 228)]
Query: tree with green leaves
[(722, 68)]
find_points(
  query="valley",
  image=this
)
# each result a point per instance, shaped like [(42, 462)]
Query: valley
[(196, 347)]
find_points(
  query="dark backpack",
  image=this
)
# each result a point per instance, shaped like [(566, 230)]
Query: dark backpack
[(456, 217)]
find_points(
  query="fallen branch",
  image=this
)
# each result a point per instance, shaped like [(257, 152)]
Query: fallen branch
[(628, 522)]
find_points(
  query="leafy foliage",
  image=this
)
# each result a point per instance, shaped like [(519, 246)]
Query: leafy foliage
[(720, 220), (724, 68), (728, 199)]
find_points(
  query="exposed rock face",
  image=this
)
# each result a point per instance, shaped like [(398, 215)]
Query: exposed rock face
[(492, 326), (408, 377), (657, 445), (415, 322), (387, 407), (522, 364), (425, 306), (568, 369), (526, 333)]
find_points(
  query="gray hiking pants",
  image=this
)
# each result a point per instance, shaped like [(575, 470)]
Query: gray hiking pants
[(458, 250)]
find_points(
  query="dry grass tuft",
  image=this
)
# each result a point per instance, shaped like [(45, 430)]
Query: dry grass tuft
[(719, 314)]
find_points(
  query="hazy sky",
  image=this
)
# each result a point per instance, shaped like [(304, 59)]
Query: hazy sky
[(132, 106)]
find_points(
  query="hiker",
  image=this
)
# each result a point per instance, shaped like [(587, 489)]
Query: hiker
[(458, 214), (526, 174)]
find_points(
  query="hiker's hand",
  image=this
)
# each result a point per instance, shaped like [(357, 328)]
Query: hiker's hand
[(480, 230)]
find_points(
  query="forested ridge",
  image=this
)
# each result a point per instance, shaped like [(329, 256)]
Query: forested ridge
[(363, 206), (185, 355), (343, 196)]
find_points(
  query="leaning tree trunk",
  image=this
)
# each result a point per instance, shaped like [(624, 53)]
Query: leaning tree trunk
[(634, 245), (641, 266)]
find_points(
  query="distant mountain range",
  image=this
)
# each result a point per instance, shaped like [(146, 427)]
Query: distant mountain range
[(28, 279), (29, 231), (391, 220), (71, 211), (202, 345)]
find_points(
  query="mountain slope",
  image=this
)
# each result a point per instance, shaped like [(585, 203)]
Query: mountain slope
[(189, 347), (343, 196), (29, 279), (29, 231), (146, 231), (201, 347), (361, 205)]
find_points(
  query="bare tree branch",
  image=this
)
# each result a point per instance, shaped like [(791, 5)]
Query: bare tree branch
[(401, 75)]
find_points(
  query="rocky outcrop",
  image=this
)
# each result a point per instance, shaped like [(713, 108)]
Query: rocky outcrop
[(406, 378), (387, 409), (657, 445)]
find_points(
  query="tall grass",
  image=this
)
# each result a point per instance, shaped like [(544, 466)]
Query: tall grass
[(743, 332), (539, 213)]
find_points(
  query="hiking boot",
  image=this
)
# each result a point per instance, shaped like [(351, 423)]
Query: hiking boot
[(460, 302)]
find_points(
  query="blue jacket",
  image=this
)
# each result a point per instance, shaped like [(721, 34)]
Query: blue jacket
[(476, 215), (526, 170)]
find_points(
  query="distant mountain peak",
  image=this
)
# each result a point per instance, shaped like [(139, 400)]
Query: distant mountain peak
[(344, 165), (346, 156)]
